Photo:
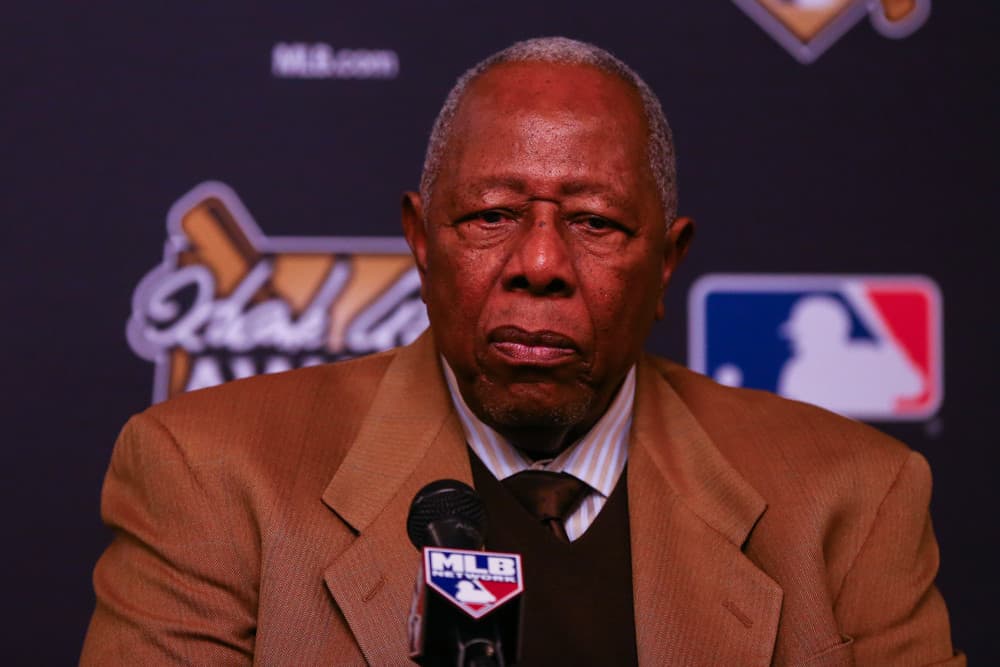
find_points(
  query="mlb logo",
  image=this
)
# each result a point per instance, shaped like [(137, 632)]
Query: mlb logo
[(477, 582), (867, 347)]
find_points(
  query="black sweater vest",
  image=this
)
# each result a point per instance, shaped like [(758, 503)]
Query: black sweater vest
[(577, 597)]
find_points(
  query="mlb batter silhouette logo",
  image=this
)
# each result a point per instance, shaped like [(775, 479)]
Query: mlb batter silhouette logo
[(868, 347)]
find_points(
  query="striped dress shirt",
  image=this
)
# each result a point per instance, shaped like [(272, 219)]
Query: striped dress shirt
[(596, 459)]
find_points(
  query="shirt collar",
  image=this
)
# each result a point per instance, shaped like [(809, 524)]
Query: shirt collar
[(597, 458)]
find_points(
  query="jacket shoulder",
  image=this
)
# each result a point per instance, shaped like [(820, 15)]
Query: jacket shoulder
[(825, 478), (268, 415), (759, 430)]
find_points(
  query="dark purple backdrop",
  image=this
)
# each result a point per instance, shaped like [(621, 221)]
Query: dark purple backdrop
[(878, 158)]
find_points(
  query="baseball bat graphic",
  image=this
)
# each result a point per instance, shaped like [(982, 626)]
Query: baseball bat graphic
[(219, 244), (216, 241)]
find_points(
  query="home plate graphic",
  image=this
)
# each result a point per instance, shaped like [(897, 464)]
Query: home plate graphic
[(807, 28), (477, 582)]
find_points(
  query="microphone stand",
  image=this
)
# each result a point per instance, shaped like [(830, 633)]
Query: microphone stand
[(480, 651), (440, 517), (473, 648)]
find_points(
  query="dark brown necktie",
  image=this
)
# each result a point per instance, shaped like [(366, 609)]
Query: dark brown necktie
[(549, 496)]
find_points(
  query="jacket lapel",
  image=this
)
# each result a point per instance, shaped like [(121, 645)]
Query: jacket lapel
[(409, 437), (698, 598)]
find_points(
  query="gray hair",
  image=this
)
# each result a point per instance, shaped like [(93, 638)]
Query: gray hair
[(561, 50)]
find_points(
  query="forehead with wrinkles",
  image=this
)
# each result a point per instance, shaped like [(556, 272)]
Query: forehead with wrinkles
[(516, 110)]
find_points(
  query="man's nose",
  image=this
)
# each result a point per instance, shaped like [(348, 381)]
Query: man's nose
[(541, 262)]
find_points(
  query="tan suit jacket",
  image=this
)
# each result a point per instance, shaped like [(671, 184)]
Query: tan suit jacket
[(264, 521)]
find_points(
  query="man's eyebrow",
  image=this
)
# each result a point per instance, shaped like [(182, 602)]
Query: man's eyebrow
[(484, 185), (569, 188), (588, 188)]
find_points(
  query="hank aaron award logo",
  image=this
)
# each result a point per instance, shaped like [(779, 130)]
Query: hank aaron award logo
[(477, 582), (228, 302), (807, 28), (868, 347)]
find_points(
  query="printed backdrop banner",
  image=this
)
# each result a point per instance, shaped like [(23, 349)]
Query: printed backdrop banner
[(199, 192)]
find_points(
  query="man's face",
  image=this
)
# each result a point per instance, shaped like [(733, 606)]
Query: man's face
[(544, 252)]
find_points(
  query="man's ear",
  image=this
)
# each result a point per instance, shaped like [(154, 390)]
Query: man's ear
[(678, 240), (415, 231)]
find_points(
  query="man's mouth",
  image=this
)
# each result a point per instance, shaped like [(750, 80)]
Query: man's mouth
[(532, 347)]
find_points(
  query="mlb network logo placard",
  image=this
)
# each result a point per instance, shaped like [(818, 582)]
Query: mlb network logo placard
[(477, 582), (868, 347)]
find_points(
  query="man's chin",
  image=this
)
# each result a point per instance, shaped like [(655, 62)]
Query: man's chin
[(529, 406)]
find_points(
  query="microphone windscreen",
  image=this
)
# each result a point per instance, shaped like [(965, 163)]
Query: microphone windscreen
[(445, 511)]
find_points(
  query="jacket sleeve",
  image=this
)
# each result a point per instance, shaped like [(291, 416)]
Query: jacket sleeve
[(888, 602), (171, 588)]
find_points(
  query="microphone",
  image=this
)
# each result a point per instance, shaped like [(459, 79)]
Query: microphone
[(447, 513), (466, 608)]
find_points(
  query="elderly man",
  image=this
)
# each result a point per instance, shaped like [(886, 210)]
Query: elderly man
[(264, 520)]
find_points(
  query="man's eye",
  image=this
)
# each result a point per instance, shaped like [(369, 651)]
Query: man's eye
[(492, 217), (594, 223)]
